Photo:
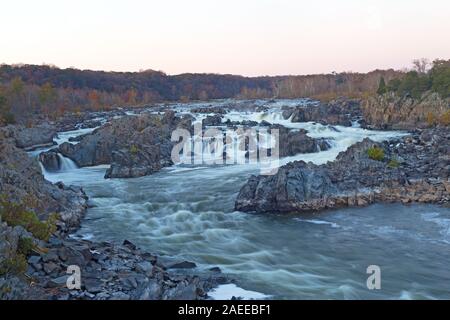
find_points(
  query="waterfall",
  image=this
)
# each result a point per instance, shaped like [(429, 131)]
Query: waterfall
[(43, 170), (66, 164)]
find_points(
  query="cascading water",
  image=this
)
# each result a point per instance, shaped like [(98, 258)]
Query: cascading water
[(66, 164), (188, 213)]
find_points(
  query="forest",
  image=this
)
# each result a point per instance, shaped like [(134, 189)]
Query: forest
[(46, 91)]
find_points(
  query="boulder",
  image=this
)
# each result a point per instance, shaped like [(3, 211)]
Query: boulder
[(50, 160), (39, 136)]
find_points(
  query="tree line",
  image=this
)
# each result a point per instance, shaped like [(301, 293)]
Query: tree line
[(425, 77), (34, 91)]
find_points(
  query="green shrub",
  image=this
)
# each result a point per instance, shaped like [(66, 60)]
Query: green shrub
[(17, 263), (134, 149), (16, 214), (382, 86), (375, 153), (14, 265), (393, 163), (445, 118), (416, 83), (25, 246)]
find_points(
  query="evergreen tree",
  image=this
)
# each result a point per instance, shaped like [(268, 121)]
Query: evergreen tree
[(382, 86)]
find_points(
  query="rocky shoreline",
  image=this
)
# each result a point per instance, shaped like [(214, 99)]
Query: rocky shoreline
[(415, 168), (108, 272)]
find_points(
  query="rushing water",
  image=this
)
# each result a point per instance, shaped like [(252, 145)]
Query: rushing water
[(187, 212)]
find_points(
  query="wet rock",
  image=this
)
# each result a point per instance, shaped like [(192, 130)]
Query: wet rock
[(50, 160), (292, 142), (182, 291), (338, 112), (146, 267), (217, 110), (151, 290), (354, 179), (183, 265), (129, 244), (215, 120)]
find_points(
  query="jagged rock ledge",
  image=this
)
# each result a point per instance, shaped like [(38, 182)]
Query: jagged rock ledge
[(415, 168)]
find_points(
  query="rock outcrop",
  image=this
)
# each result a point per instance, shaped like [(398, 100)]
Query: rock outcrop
[(390, 111), (21, 180), (50, 160), (133, 145), (413, 169), (338, 112), (214, 120), (293, 142), (31, 138), (148, 150)]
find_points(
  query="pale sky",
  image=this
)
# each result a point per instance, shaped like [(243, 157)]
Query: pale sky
[(248, 37)]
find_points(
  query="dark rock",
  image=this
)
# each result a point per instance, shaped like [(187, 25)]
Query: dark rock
[(183, 265), (57, 282), (119, 296), (92, 285), (50, 160), (215, 120), (129, 244), (21, 178), (50, 267), (354, 179), (39, 136), (338, 112)]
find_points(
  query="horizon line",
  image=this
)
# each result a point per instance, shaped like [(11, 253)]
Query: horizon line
[(51, 65)]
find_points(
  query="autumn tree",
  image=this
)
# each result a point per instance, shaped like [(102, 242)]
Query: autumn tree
[(47, 94), (130, 96), (94, 99), (17, 86)]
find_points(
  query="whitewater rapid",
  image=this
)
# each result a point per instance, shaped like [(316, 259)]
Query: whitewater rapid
[(187, 212)]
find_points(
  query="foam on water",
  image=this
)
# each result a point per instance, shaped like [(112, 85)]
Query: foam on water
[(316, 221), (228, 291)]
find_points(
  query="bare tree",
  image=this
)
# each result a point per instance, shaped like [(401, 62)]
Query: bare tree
[(421, 65)]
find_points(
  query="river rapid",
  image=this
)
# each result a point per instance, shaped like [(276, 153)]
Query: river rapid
[(187, 212)]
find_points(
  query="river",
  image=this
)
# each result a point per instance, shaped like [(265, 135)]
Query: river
[(187, 212)]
